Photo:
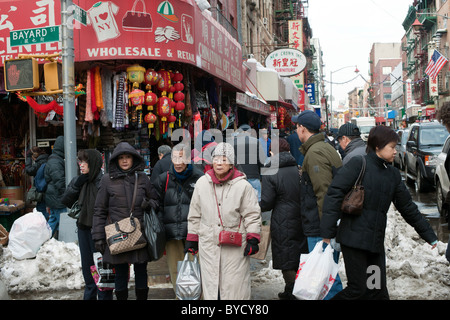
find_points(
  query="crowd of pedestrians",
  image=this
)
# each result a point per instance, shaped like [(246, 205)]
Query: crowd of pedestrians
[(220, 188)]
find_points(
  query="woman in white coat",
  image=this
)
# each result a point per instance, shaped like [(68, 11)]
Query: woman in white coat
[(225, 190)]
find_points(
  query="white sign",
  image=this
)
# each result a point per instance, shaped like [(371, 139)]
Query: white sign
[(287, 62)]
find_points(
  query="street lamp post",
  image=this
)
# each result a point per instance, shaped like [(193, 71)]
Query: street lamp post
[(331, 90)]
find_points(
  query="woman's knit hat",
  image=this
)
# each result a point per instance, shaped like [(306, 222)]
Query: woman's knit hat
[(224, 149)]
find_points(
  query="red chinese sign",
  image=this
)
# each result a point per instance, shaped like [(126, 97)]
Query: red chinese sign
[(168, 30)]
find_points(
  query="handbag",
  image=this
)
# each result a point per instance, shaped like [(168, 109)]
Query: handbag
[(137, 20), (155, 233), (34, 195), (74, 211), (263, 243), (228, 238), (125, 235), (354, 199)]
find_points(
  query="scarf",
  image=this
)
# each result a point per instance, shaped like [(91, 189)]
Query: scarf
[(185, 174), (232, 174)]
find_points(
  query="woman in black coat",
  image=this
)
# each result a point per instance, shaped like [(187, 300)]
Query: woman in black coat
[(35, 158), (362, 236), (281, 194), (113, 204), (84, 189)]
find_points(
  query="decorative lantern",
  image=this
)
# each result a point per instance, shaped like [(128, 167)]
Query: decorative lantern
[(178, 96), (179, 107), (163, 111), (164, 81), (135, 74), (150, 98), (150, 118), (137, 98), (177, 77), (151, 77), (171, 120), (281, 116)]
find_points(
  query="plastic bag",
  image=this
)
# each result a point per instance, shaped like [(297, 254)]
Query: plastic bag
[(316, 274), (155, 233), (103, 273), (27, 235), (189, 284)]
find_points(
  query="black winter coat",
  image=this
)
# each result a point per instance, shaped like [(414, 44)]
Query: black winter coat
[(113, 202), (55, 176), (281, 194), (31, 168), (382, 185), (175, 201)]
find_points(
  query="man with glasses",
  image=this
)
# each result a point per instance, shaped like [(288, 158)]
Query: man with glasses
[(319, 164)]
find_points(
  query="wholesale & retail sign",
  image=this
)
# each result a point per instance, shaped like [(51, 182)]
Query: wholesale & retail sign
[(167, 30)]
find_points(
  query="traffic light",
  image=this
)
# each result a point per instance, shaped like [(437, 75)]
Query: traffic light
[(21, 74), (53, 76)]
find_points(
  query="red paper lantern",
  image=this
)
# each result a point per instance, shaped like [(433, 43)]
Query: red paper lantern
[(281, 115), (179, 106), (177, 77), (151, 77), (171, 120), (150, 118), (163, 111), (164, 81), (179, 96), (178, 86), (150, 99)]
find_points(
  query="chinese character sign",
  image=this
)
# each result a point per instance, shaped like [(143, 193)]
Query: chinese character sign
[(287, 62), (311, 91)]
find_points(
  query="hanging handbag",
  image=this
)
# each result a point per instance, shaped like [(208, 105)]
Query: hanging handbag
[(228, 238), (126, 234), (137, 20), (155, 233), (354, 199), (74, 211)]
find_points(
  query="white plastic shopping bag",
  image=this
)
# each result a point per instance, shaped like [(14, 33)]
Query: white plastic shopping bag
[(27, 235), (189, 284), (316, 274)]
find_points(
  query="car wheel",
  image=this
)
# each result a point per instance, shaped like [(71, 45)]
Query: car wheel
[(407, 179), (439, 196), (420, 183)]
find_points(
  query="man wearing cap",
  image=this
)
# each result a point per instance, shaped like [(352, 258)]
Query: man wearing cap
[(349, 138), (319, 164)]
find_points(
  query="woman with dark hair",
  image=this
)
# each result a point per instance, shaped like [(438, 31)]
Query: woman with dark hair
[(362, 236), (83, 188)]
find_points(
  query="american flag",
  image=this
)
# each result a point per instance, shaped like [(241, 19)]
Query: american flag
[(435, 65)]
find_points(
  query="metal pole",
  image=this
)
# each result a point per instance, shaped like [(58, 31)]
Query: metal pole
[(331, 99), (67, 225)]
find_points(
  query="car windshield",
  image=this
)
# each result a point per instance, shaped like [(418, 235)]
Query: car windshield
[(433, 136), (365, 129)]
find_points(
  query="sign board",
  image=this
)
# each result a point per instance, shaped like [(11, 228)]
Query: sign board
[(33, 36), (287, 62), (80, 15), (21, 74)]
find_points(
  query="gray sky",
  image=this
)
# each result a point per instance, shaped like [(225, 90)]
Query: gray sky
[(346, 31)]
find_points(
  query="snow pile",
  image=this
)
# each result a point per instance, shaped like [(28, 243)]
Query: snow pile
[(57, 266), (414, 271)]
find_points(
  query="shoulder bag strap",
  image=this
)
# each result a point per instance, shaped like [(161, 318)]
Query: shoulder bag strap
[(218, 210), (134, 193), (363, 170)]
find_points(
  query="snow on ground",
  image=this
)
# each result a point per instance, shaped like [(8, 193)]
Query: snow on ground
[(414, 271)]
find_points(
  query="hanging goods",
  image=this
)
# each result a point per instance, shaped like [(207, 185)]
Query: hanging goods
[(228, 238), (189, 282), (137, 20), (354, 200), (126, 234)]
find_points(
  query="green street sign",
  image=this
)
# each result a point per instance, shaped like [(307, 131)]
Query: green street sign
[(80, 15), (34, 36)]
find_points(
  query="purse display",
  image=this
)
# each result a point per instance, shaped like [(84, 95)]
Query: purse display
[(354, 199), (137, 20), (126, 235), (228, 238)]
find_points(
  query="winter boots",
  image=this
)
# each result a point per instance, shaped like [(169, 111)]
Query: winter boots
[(141, 294), (287, 294)]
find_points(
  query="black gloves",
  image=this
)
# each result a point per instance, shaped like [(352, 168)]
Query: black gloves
[(100, 246), (149, 203), (82, 179), (191, 246), (252, 247)]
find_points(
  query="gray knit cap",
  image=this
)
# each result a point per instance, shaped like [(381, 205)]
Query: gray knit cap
[(224, 149)]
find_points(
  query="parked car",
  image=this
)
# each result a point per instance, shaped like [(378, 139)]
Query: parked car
[(441, 177), (399, 160), (424, 144)]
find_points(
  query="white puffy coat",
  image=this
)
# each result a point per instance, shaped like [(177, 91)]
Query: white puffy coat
[(224, 269)]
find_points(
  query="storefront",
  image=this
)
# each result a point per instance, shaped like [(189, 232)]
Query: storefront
[(141, 72)]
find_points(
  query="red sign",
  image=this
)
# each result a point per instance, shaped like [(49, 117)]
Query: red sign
[(168, 30)]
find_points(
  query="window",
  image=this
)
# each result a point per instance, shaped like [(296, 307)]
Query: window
[(387, 70)]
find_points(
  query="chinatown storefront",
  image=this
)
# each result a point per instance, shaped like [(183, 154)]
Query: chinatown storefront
[(142, 70)]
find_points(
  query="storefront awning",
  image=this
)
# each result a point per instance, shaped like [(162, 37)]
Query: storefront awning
[(252, 104), (287, 105)]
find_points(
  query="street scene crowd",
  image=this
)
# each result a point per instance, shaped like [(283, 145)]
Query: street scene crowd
[(210, 200)]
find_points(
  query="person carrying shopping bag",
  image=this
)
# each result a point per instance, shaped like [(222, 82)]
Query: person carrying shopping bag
[(83, 189), (113, 204), (224, 225), (361, 236)]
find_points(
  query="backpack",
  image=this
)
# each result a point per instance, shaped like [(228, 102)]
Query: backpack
[(39, 179)]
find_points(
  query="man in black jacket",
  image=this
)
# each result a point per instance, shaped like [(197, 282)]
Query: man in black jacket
[(175, 188), (164, 162)]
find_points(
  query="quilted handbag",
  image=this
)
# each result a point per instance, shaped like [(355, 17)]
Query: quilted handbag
[(125, 235)]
